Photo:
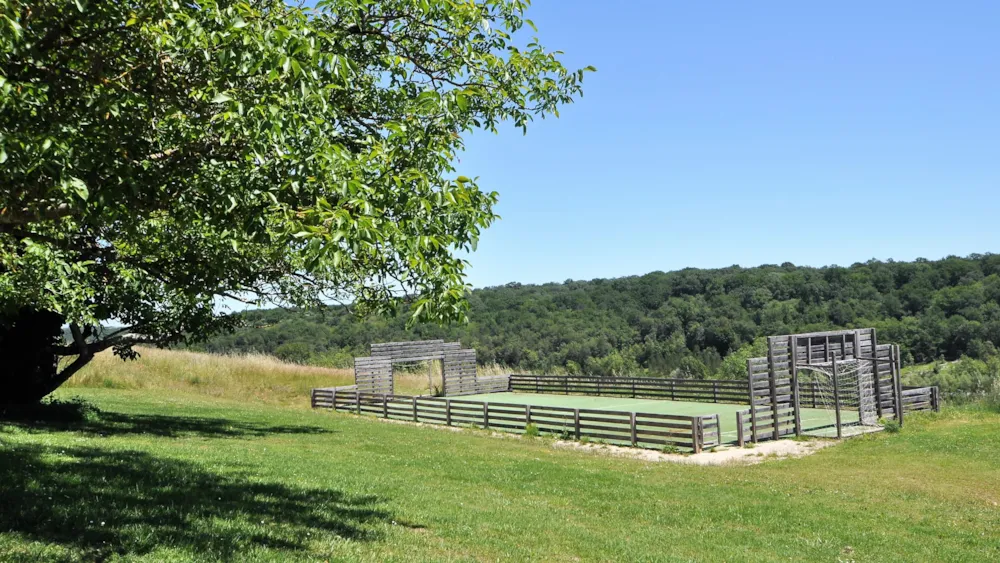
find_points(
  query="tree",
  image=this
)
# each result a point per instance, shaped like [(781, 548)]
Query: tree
[(160, 155), (295, 352), (593, 327)]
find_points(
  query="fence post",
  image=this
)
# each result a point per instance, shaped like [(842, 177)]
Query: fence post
[(878, 384), (718, 431), (935, 399), (385, 406), (635, 442), (794, 380), (357, 398), (739, 429), (335, 399), (527, 415), (576, 423), (486, 416), (897, 384), (715, 391), (695, 435), (672, 396), (414, 399), (753, 403), (836, 401), (447, 412)]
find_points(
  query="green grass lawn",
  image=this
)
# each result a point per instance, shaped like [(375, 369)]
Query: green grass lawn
[(178, 477)]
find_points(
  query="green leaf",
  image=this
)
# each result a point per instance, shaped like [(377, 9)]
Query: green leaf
[(221, 98), (79, 188)]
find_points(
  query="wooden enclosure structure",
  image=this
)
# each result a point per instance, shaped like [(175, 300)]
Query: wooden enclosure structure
[(374, 373), (773, 390)]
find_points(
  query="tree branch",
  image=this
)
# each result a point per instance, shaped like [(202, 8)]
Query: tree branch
[(27, 216)]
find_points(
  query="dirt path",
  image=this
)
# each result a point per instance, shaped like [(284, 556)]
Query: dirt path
[(763, 451)]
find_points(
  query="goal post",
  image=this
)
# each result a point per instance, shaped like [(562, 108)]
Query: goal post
[(844, 394)]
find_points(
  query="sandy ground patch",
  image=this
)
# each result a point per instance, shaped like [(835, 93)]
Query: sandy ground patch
[(727, 455)]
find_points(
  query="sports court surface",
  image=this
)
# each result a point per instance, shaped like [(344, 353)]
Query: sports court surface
[(815, 422)]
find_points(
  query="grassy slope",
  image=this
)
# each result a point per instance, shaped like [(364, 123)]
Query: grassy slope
[(176, 475), (253, 378)]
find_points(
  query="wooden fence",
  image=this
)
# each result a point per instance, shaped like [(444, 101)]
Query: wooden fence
[(322, 397), (914, 399), (921, 399), (708, 390), (645, 430)]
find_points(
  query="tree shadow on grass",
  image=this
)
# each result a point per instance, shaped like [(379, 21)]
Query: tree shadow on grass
[(82, 417), (91, 504)]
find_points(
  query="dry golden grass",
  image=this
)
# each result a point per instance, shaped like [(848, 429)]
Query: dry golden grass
[(493, 369), (249, 377)]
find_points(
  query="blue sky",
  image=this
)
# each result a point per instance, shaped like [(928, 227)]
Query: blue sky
[(746, 133)]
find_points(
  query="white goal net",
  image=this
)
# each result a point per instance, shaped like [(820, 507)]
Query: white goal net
[(844, 385)]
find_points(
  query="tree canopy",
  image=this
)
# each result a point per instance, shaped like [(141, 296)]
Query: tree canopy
[(159, 155), (681, 323)]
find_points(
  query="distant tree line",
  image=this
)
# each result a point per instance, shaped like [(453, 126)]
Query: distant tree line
[(680, 324)]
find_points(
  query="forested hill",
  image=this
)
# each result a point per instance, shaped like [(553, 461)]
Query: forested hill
[(681, 322)]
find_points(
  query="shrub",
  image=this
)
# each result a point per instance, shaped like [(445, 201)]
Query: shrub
[(294, 352), (671, 449), (734, 366), (531, 431), (992, 399), (891, 425)]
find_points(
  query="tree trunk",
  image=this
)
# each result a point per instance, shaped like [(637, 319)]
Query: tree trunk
[(29, 364)]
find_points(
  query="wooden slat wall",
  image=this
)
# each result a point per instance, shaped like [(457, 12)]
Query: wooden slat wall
[(744, 427), (459, 375), (644, 430), (413, 351), (772, 413), (712, 391), (839, 344), (373, 375), (322, 397), (885, 375), (920, 399)]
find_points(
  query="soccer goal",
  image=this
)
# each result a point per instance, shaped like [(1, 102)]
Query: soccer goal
[(844, 401)]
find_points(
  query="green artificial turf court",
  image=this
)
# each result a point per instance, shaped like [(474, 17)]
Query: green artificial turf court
[(815, 422)]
